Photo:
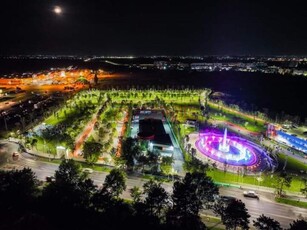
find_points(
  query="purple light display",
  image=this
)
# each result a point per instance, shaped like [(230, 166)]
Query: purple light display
[(233, 150)]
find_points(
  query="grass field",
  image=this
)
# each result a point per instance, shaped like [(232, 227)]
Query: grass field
[(295, 203), (232, 178), (239, 119)]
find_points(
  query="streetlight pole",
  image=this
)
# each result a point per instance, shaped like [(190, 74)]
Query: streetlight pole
[(4, 118), (5, 124)]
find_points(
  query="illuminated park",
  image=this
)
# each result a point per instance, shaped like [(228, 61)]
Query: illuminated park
[(234, 151), (153, 115), (150, 132)]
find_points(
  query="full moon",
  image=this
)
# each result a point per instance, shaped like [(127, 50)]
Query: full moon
[(57, 10)]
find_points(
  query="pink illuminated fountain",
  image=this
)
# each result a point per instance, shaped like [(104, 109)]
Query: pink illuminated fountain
[(232, 150), (223, 146)]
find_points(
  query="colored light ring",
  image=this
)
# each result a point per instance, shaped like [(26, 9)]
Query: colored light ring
[(222, 157), (207, 143)]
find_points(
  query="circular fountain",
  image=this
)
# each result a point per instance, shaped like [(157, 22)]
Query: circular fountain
[(233, 150)]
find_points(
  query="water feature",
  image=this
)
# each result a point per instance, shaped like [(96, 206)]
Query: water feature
[(233, 150), (224, 146)]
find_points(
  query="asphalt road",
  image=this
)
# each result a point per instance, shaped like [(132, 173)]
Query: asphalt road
[(282, 213)]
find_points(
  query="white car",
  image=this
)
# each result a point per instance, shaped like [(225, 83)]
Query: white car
[(87, 170), (251, 194)]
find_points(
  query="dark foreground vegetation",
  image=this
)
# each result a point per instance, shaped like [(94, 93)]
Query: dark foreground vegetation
[(72, 201)]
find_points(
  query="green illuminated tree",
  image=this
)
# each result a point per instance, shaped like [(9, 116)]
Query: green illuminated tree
[(91, 151), (282, 180)]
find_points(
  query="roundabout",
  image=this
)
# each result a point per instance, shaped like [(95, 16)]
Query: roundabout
[(233, 151)]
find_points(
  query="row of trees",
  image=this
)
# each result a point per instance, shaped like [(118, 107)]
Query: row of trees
[(72, 201)]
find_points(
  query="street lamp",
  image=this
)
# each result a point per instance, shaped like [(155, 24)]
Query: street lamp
[(173, 172), (4, 118), (259, 179)]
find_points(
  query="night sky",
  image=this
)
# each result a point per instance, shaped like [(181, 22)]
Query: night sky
[(111, 27)]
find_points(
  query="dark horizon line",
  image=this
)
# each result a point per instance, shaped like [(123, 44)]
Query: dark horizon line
[(156, 55)]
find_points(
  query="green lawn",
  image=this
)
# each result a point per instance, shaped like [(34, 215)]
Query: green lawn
[(296, 203), (212, 222), (229, 111), (232, 178), (70, 109), (45, 146), (185, 130), (244, 122)]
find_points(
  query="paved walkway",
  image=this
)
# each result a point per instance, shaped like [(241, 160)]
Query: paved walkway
[(84, 135)]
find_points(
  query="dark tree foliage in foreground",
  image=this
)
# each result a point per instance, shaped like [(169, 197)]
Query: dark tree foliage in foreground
[(18, 192), (266, 223), (157, 199), (68, 197), (115, 182), (233, 214), (190, 195), (130, 151), (72, 201), (298, 225), (17, 189)]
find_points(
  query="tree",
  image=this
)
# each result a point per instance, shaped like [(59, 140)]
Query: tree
[(115, 182), (18, 188), (91, 151), (69, 172), (195, 165), (282, 180), (298, 225), (156, 200), (69, 196), (34, 143), (166, 164), (130, 151), (190, 195), (304, 190), (167, 160), (71, 186), (142, 161), (135, 193), (233, 214), (266, 223)]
